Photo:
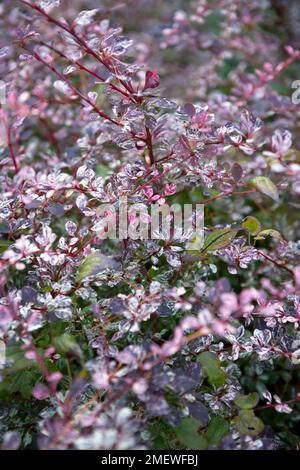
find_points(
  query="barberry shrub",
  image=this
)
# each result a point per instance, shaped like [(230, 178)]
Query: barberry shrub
[(143, 343)]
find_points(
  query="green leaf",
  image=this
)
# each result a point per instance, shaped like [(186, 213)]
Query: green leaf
[(219, 239), (66, 345), (4, 244), (17, 360), (269, 233), (187, 434), (22, 382), (102, 170), (217, 429), (247, 423), (94, 263), (246, 402), (265, 186), (212, 367), (251, 225)]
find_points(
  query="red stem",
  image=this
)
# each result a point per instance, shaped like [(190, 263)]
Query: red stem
[(51, 135), (11, 150), (150, 145), (279, 265), (73, 33), (89, 71)]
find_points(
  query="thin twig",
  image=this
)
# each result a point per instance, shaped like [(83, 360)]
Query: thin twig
[(11, 150)]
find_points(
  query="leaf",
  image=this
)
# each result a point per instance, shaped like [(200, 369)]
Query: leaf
[(246, 402), (94, 263), (198, 411), (265, 186), (269, 233), (17, 359), (217, 429), (251, 225), (102, 170), (151, 79), (86, 17), (22, 382), (187, 433), (48, 5), (219, 239), (11, 440), (4, 244), (236, 171), (211, 365), (67, 345), (247, 423)]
